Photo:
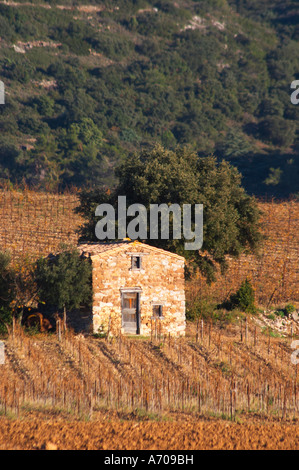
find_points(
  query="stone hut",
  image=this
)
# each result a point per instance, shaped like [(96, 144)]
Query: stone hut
[(137, 288)]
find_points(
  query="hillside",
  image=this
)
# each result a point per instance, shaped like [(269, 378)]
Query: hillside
[(88, 84), (34, 224)]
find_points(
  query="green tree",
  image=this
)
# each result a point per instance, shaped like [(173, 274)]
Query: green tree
[(231, 217), (277, 130), (64, 280), (9, 161), (79, 148), (234, 145), (244, 298)]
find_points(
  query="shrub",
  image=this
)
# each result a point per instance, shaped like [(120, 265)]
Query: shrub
[(199, 308), (286, 311), (64, 280), (223, 317), (277, 130), (279, 313), (271, 316), (244, 298), (289, 308), (5, 320)]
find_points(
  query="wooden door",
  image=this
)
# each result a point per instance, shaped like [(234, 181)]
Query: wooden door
[(130, 312)]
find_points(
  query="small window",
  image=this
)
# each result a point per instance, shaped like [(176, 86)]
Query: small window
[(157, 311), (136, 262)]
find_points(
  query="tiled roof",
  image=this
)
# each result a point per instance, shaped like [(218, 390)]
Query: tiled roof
[(94, 249)]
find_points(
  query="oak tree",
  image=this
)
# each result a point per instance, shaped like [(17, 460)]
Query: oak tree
[(230, 216)]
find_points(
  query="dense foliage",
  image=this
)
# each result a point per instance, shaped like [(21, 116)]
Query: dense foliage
[(214, 75), (244, 298), (231, 217), (64, 281)]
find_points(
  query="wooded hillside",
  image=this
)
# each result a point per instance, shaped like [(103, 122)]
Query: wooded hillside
[(88, 84)]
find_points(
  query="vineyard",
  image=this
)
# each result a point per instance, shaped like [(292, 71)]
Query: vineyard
[(239, 371), (275, 271), (34, 224), (232, 388)]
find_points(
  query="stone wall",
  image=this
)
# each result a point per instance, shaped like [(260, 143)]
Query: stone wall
[(161, 280)]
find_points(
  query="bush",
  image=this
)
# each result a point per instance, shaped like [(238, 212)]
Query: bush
[(279, 313), (289, 308), (286, 311), (64, 280), (5, 320), (271, 316), (244, 298), (277, 130), (199, 308), (223, 317)]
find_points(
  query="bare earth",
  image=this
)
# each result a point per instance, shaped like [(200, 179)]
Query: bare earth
[(35, 434)]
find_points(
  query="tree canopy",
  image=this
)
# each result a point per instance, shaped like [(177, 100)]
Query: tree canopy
[(64, 280), (161, 176)]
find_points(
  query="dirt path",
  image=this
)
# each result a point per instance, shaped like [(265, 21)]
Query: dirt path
[(149, 435)]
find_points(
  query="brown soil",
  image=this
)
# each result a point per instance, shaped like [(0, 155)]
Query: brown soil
[(146, 435)]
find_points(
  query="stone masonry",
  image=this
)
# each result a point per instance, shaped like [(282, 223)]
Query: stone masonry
[(158, 280)]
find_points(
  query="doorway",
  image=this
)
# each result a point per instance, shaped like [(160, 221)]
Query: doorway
[(130, 306)]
